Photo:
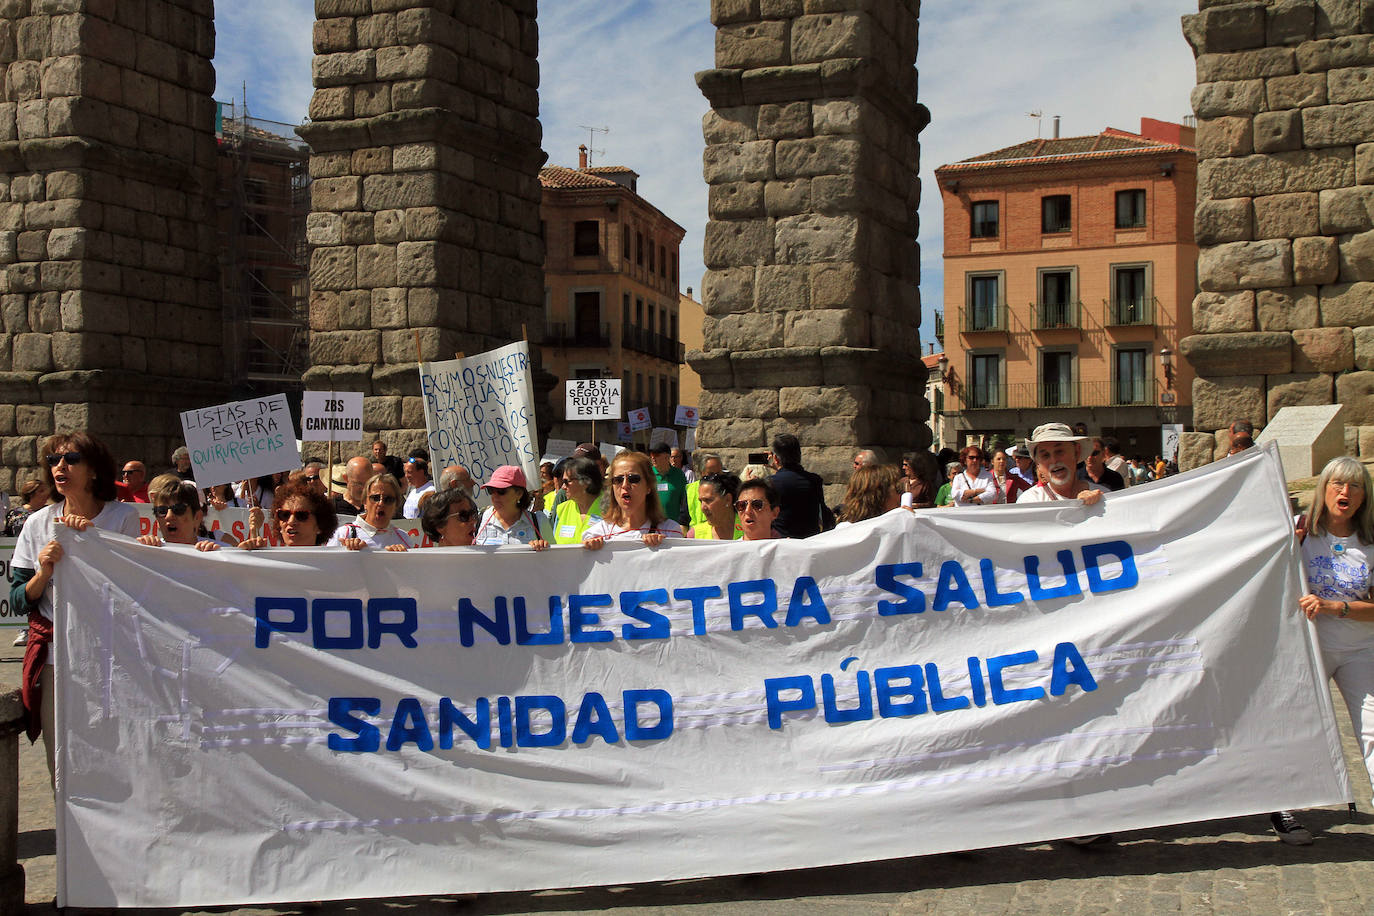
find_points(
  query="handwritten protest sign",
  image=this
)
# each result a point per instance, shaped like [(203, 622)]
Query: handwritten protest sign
[(593, 399), (663, 435), (686, 416), (332, 416), (479, 411), (492, 719), (639, 419), (9, 617), (241, 439)]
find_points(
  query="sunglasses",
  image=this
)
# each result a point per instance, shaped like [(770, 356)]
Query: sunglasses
[(1096, 453), (314, 479), (285, 515), (379, 498), (463, 515), (124, 473), (755, 504), (174, 508), (629, 479), (499, 491), (71, 458)]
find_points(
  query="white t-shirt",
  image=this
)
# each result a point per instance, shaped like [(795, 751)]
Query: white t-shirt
[(963, 483), (1040, 493), (41, 527), (1338, 569), (373, 537), (604, 529), (412, 506)]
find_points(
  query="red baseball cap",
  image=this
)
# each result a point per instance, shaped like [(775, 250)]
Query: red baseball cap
[(507, 475)]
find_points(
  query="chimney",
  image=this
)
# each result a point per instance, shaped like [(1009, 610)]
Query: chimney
[(582, 157), (1056, 127)]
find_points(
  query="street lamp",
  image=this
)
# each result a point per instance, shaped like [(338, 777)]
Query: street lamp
[(1166, 360)]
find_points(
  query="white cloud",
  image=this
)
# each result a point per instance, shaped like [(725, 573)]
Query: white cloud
[(629, 64)]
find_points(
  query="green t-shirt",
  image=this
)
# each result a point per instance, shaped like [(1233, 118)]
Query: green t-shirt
[(672, 489)]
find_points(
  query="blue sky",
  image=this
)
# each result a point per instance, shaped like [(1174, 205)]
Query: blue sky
[(628, 65)]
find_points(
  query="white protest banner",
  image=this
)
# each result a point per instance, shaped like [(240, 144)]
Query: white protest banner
[(241, 439), (593, 399), (663, 434), (639, 419), (623, 432), (239, 728), (9, 617), (332, 416), (479, 411), (686, 416)]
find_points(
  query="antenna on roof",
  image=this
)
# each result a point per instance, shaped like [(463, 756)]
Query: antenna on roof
[(1039, 116), (591, 140)]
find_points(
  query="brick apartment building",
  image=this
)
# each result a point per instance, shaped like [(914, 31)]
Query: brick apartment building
[(1070, 271), (610, 290)]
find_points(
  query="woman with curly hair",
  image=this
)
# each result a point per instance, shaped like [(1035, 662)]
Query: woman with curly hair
[(304, 517), (873, 490)]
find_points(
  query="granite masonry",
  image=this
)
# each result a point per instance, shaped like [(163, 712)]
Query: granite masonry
[(811, 300), (107, 265), (425, 194), (1285, 215)]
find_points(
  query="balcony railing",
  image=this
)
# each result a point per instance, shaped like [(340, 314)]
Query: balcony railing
[(940, 327), (1051, 315), (559, 334), (985, 318), (1132, 312), (657, 345), (1024, 395)]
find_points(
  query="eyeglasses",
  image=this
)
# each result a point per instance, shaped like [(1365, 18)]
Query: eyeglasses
[(70, 457), (379, 498), (174, 508), (498, 491), (1096, 452), (755, 504), (285, 515), (128, 472), (627, 479), (312, 479), (463, 515)]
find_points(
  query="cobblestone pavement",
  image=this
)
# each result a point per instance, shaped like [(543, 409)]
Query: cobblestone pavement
[(1231, 866)]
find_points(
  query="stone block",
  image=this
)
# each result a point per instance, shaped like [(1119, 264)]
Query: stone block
[(324, 229), (737, 243), (19, 451), (345, 347), (1364, 163), (334, 103), (743, 332), (1277, 173), (1217, 222), (813, 401), (747, 45), (1227, 136), (1237, 354), (333, 268), (787, 198), (1195, 450), (1301, 90), (1218, 313), (33, 420), (826, 155), (1259, 63), (1355, 390), (355, 309), (1233, 27), (1349, 209), (6, 420), (1287, 309), (1337, 125), (382, 412), (1286, 215), (1246, 265), (745, 161), (763, 403), (826, 327), (727, 291), (1348, 305), (836, 116), (830, 35), (1308, 436), (1228, 98), (784, 121), (1337, 17), (1350, 84), (1356, 257), (337, 194), (1290, 22), (1216, 402), (1315, 261), (389, 308), (376, 266), (389, 227), (729, 432), (730, 125), (1364, 347), (32, 353), (1365, 441), (1278, 131), (782, 288), (736, 199), (1323, 350), (810, 238)]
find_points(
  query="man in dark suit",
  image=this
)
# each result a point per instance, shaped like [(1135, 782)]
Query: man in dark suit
[(801, 494)]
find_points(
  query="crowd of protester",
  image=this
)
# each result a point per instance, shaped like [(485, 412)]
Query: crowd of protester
[(646, 498)]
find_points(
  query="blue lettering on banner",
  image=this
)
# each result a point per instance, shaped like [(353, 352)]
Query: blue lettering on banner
[(912, 690), (522, 721), (289, 615)]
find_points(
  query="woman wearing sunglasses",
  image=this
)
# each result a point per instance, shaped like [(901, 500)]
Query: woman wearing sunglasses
[(582, 481), (633, 510), (82, 472), (373, 527), (450, 518), (509, 520), (303, 515), (178, 513)]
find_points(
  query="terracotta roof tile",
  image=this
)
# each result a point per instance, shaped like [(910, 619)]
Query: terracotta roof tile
[(1111, 143), (557, 176)]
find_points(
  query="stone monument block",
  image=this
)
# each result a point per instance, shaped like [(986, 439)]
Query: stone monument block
[(1307, 437)]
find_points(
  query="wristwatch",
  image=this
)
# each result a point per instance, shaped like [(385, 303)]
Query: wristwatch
[(1345, 609)]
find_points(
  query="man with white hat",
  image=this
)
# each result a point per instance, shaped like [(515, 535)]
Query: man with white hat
[(1057, 451), (1024, 469)]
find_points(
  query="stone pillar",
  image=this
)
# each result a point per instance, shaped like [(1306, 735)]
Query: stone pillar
[(107, 156), (425, 194), (11, 872), (1285, 108), (811, 291)]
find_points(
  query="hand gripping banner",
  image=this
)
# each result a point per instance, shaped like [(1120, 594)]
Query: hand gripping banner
[(309, 724)]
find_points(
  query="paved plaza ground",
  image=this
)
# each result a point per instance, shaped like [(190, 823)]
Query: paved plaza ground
[(1228, 866)]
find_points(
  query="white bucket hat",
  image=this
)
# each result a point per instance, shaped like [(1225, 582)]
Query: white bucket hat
[(1053, 432)]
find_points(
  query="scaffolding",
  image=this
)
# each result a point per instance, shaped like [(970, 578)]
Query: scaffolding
[(263, 199)]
